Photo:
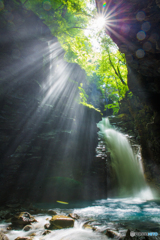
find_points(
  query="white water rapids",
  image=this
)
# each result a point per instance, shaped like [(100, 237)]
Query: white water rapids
[(115, 214)]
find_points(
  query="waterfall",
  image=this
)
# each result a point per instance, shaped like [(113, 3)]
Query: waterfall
[(124, 162)]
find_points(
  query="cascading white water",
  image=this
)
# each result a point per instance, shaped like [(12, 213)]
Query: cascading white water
[(130, 177)]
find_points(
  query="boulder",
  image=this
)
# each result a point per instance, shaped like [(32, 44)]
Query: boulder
[(112, 234), (22, 219), (60, 221), (9, 228), (27, 228), (3, 236), (51, 212)]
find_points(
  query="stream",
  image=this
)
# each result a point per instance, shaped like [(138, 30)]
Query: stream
[(137, 213), (114, 214)]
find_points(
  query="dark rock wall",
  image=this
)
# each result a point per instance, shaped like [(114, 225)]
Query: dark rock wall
[(135, 27), (47, 140)]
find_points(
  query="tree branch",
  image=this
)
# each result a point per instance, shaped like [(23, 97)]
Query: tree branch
[(117, 73), (24, 2)]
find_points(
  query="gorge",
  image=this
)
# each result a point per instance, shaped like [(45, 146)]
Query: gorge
[(52, 97)]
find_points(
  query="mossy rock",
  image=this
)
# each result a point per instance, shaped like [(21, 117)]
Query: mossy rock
[(22, 219), (60, 221)]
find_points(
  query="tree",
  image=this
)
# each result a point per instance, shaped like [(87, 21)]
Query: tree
[(68, 20), (113, 74)]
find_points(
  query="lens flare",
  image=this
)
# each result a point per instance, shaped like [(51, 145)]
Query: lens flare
[(104, 4)]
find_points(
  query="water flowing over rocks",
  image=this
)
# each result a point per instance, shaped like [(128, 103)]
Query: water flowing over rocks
[(46, 232), (60, 221), (73, 215), (85, 227)]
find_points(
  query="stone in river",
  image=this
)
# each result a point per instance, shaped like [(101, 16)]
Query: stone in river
[(21, 219), (60, 221), (3, 236)]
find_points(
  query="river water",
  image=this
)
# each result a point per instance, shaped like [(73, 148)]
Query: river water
[(139, 213), (115, 214)]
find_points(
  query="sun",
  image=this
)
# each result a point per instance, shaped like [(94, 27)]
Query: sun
[(96, 26), (100, 22)]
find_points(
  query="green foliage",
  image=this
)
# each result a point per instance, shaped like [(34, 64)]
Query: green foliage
[(61, 16), (112, 70), (83, 98), (91, 106), (82, 94), (67, 20)]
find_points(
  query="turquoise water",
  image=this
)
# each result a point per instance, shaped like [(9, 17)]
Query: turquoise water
[(124, 213), (115, 214), (120, 213)]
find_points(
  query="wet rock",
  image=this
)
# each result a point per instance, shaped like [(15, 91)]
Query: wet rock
[(60, 221), (46, 226), (9, 228), (27, 228), (128, 237), (90, 225), (99, 230), (3, 236), (112, 234), (22, 219), (32, 234), (95, 229), (51, 212), (74, 216), (46, 232), (87, 226)]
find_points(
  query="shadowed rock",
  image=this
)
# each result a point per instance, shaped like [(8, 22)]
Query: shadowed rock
[(22, 219)]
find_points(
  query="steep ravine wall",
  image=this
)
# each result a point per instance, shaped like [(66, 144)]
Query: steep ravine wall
[(47, 139), (135, 27)]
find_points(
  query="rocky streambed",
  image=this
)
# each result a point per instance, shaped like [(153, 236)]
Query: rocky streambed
[(85, 223)]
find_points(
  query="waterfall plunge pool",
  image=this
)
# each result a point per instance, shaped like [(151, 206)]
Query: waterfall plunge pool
[(136, 213), (115, 214)]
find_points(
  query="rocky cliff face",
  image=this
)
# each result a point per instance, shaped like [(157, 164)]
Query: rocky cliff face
[(135, 27), (47, 139)]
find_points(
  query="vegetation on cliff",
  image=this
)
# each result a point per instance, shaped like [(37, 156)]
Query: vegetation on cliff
[(80, 30)]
